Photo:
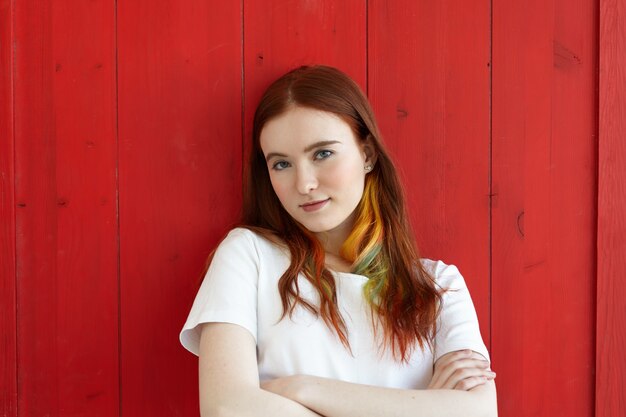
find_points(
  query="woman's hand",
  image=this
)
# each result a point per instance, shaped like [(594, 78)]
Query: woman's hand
[(461, 370)]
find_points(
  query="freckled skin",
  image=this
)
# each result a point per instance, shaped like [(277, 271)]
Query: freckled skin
[(303, 176)]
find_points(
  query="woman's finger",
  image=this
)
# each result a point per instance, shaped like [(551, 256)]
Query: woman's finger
[(445, 372), (462, 374), (454, 367), (469, 383), (440, 369)]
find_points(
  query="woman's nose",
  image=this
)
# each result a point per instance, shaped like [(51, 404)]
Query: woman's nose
[(306, 180)]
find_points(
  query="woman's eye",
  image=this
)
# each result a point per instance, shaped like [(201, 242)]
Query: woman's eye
[(323, 154), (280, 165)]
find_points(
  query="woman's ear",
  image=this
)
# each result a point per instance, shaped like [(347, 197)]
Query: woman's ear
[(369, 150)]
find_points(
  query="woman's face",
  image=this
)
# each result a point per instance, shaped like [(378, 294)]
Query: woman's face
[(316, 166)]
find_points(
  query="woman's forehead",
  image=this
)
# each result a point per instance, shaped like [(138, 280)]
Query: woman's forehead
[(299, 127)]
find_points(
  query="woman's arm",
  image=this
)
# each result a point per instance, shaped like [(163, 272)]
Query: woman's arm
[(333, 398), (229, 378)]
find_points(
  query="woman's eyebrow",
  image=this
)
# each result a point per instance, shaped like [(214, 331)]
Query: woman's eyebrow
[(307, 149), (274, 154), (320, 143)]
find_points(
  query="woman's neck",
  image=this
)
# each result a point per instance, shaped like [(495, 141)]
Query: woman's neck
[(332, 241), (337, 263)]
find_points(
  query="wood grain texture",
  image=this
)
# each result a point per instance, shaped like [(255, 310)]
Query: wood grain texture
[(66, 210), (544, 164), (280, 36), (611, 291), (180, 183), (8, 313), (429, 85)]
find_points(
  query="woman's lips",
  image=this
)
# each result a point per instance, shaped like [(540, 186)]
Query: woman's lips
[(315, 205)]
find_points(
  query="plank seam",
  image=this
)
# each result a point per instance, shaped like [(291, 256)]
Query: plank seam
[(490, 176), (117, 209), (367, 48), (243, 97), (13, 64), (596, 105)]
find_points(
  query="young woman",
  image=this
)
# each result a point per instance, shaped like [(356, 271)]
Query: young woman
[(319, 303)]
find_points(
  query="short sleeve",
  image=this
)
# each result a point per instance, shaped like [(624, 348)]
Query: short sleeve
[(228, 293), (458, 323)]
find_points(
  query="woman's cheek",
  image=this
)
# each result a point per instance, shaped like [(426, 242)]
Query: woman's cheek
[(345, 174), (279, 187)]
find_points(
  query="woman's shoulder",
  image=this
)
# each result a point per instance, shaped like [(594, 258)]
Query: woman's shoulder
[(445, 275), (240, 234), (237, 237), (251, 239), (244, 249)]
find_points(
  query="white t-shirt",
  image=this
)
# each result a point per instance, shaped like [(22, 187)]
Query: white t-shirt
[(241, 287)]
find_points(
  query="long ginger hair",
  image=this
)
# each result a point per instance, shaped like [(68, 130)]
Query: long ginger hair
[(403, 297)]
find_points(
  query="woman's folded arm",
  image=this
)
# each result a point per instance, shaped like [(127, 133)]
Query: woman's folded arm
[(333, 398), (229, 386), (229, 378)]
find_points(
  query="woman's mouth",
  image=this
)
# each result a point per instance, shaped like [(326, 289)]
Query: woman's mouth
[(314, 205)]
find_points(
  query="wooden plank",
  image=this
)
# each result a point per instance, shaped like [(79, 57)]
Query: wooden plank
[(66, 208), (279, 36), (180, 183), (429, 85), (544, 206), (8, 313), (611, 293)]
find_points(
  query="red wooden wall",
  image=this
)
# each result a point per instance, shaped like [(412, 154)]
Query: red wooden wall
[(544, 147), (611, 230), (124, 128)]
